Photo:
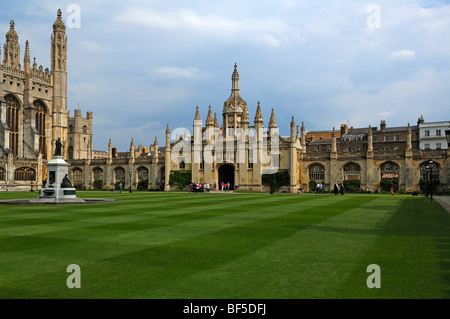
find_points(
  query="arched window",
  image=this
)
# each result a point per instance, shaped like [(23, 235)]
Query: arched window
[(85, 129), (142, 174), (12, 119), (182, 165), (426, 173), (98, 174), (77, 176), (316, 172), (41, 117), (2, 174), (24, 174), (70, 152), (119, 174), (389, 170), (71, 129), (352, 171)]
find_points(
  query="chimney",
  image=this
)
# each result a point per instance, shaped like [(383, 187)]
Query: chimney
[(344, 129), (383, 126)]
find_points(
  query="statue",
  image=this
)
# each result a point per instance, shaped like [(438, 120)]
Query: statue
[(66, 183), (58, 147)]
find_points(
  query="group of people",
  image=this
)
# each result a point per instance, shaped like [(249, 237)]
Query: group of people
[(201, 187), (339, 189), (225, 186), (319, 188), (205, 187)]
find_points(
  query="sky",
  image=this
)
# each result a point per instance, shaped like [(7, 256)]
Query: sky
[(140, 65)]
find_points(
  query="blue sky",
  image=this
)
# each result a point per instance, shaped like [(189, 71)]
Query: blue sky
[(140, 65)]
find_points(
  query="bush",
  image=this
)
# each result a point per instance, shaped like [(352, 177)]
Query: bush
[(117, 185), (385, 184), (98, 184), (143, 185), (275, 181), (80, 187), (425, 185), (312, 185), (352, 185), (180, 178)]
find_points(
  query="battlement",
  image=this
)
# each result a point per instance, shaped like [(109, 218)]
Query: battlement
[(89, 115)]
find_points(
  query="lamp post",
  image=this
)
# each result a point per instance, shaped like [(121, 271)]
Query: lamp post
[(431, 165), (129, 171)]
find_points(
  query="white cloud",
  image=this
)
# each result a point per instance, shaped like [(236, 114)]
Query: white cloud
[(176, 72), (267, 30), (406, 54)]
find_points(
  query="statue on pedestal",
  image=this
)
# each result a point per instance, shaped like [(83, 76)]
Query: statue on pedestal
[(66, 183), (58, 147)]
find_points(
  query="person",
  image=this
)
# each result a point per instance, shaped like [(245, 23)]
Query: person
[(66, 182), (228, 186), (120, 187), (221, 186), (392, 189), (336, 189), (317, 188), (342, 189), (58, 147), (320, 188)]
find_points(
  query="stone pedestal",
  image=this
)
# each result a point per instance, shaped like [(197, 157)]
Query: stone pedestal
[(53, 191)]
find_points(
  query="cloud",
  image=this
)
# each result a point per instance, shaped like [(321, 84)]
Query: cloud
[(268, 30), (176, 72), (405, 54)]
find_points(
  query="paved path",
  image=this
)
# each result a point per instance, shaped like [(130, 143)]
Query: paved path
[(444, 201)]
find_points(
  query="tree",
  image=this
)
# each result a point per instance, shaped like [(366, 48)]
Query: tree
[(98, 184), (142, 185), (352, 185), (275, 181), (180, 178)]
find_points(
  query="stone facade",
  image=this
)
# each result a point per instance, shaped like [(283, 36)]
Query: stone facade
[(33, 111), (33, 115)]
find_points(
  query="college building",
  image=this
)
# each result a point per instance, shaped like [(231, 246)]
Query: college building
[(240, 150)]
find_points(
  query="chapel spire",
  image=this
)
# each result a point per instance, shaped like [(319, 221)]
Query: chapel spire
[(11, 48)]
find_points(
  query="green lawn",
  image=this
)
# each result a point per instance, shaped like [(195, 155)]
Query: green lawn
[(179, 245)]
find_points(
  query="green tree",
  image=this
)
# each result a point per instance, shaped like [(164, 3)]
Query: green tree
[(98, 184), (352, 185), (385, 184), (117, 185), (312, 185), (142, 185), (180, 178), (275, 181)]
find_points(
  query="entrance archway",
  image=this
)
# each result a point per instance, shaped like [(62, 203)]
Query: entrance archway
[(226, 175)]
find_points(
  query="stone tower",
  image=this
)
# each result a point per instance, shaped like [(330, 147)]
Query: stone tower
[(233, 108), (59, 79), (80, 135)]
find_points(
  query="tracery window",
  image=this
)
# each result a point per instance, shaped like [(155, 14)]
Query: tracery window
[(41, 117), (12, 119)]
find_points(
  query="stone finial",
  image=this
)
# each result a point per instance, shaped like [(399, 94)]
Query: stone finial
[(197, 114), (59, 24), (258, 116), (272, 122), (216, 123), (209, 118), (245, 118)]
